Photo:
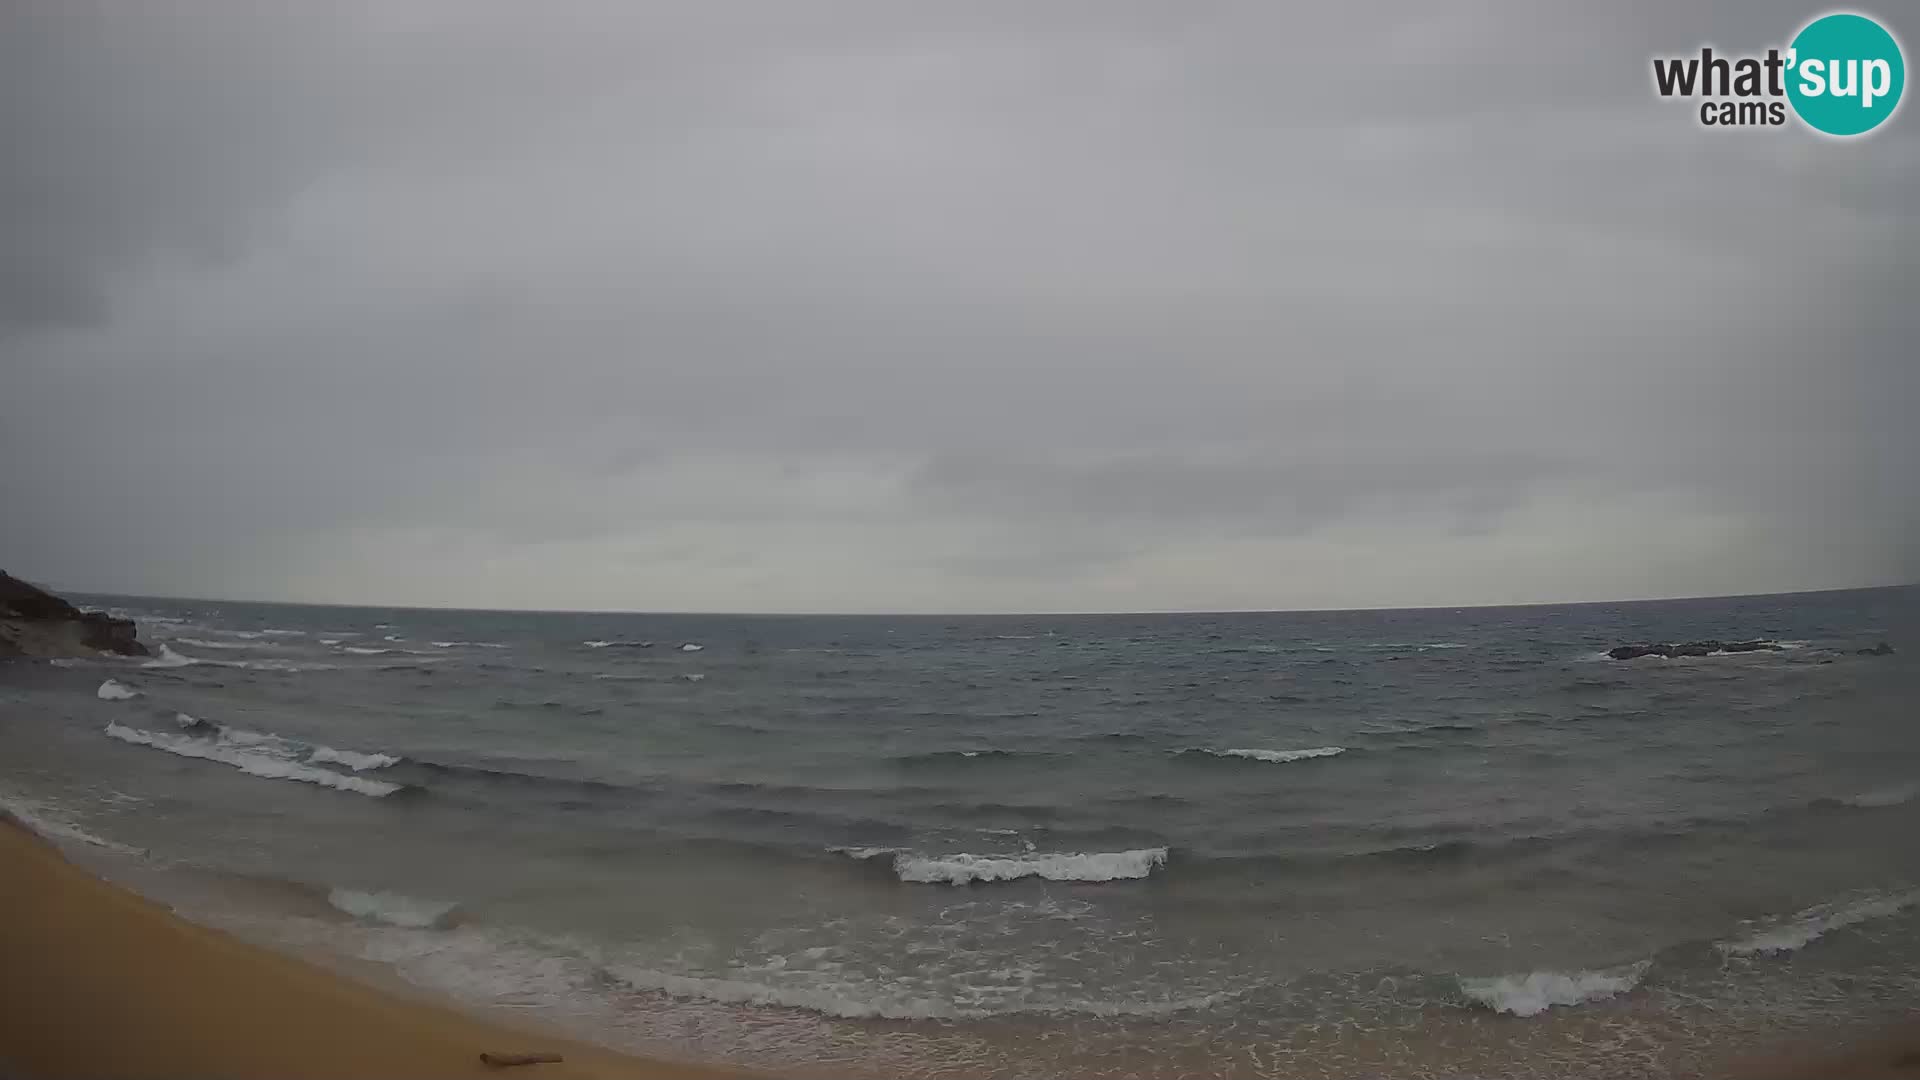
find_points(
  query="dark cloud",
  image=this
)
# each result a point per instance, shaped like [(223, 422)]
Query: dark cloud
[(870, 305)]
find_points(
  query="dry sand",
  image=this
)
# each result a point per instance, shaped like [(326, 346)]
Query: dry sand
[(96, 982)]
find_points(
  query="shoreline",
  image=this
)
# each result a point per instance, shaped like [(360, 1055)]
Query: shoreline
[(99, 981)]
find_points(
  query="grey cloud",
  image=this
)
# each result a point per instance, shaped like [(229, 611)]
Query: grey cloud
[(871, 305), (1269, 492)]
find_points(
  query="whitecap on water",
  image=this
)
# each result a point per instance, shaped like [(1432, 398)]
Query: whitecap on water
[(1277, 755), (1537, 991), (963, 868), (253, 753), (1808, 926), (393, 909)]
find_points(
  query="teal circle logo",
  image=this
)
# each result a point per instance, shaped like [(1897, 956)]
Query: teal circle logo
[(1845, 74)]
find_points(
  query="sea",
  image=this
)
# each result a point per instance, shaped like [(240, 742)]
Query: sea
[(1427, 843)]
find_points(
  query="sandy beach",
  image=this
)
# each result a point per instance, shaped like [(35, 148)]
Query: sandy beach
[(100, 982)]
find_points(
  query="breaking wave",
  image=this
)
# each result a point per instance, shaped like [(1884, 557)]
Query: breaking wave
[(1270, 755), (351, 759), (168, 658), (1537, 991), (395, 910), (266, 756), (618, 644), (112, 690), (1808, 926), (963, 869)]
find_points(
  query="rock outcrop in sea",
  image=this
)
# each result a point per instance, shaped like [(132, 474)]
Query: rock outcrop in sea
[(1691, 648), (36, 623)]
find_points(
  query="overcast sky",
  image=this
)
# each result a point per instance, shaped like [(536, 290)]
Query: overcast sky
[(913, 307)]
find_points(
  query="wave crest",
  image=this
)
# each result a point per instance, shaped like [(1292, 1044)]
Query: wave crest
[(1537, 991), (395, 910), (351, 759), (1808, 926), (266, 756), (1270, 755), (114, 690), (963, 869), (168, 658)]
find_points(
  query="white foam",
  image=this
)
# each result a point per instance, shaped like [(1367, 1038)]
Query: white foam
[(205, 644), (1092, 866), (1813, 923), (252, 753), (393, 909), (1538, 991), (606, 644), (352, 759), (468, 644), (691, 647), (285, 633), (830, 999), (863, 853), (112, 690), (1279, 755), (272, 665), (50, 822), (362, 651), (171, 659)]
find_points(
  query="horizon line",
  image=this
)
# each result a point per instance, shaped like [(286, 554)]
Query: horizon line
[(998, 614)]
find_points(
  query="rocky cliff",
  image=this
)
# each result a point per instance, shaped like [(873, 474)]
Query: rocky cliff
[(34, 622)]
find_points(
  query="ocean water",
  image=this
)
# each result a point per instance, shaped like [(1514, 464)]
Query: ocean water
[(1436, 843)]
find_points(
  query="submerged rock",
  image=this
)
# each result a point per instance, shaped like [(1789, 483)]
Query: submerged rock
[(35, 622), (1882, 649), (1670, 650)]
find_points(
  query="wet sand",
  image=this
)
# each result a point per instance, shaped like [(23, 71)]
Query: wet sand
[(98, 982)]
